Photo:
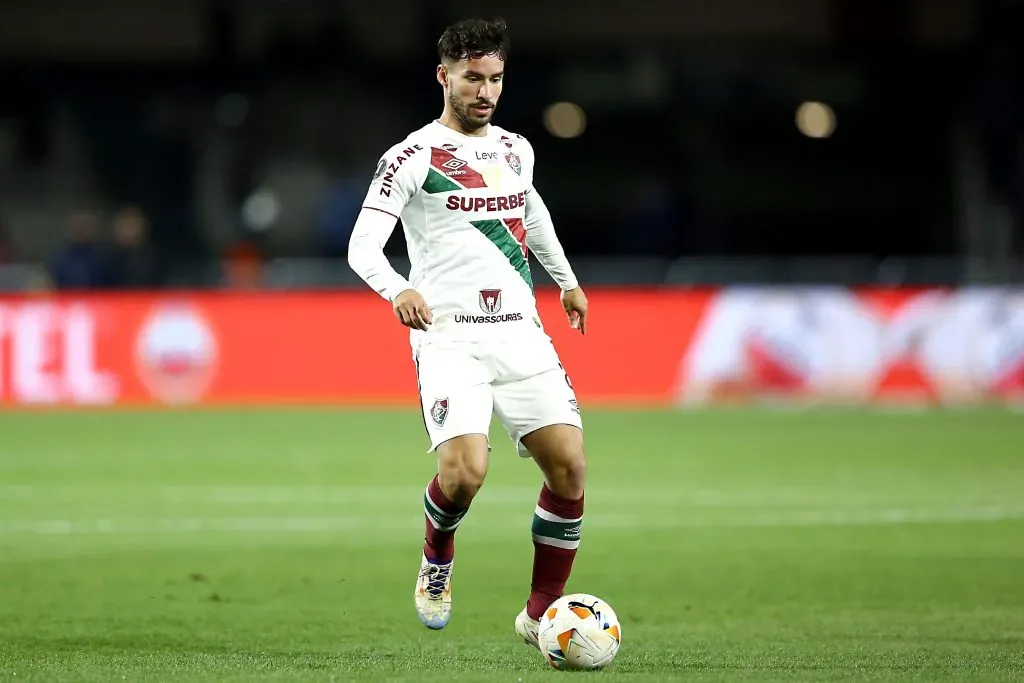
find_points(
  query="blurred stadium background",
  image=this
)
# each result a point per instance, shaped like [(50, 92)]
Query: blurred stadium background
[(207, 146), (832, 141), (770, 202)]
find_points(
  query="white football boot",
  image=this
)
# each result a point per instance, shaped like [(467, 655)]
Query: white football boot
[(526, 628), (434, 594)]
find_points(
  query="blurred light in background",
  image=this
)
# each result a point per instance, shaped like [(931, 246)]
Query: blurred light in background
[(565, 120), (261, 210), (815, 119)]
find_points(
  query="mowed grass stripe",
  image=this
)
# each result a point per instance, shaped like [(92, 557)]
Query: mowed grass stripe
[(503, 525)]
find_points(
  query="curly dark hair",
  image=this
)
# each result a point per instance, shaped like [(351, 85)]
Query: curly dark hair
[(472, 39)]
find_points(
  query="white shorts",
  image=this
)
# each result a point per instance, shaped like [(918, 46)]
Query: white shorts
[(463, 384)]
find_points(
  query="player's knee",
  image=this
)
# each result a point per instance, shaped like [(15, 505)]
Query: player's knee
[(462, 466), (571, 475), (463, 481), (567, 470)]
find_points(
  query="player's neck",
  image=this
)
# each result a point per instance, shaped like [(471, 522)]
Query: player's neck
[(448, 121)]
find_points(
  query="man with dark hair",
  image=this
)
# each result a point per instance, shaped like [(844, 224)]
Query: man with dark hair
[(486, 45), (464, 190)]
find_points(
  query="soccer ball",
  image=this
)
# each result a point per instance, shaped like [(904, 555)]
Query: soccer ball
[(579, 631)]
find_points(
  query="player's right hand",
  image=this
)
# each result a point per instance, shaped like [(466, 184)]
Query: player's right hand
[(411, 309)]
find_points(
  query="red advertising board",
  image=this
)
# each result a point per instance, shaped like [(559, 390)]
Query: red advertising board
[(650, 347)]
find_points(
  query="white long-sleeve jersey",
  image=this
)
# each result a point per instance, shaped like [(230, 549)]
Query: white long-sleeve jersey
[(471, 216)]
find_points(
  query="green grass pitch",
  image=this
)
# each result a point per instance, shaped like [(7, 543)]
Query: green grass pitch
[(737, 546)]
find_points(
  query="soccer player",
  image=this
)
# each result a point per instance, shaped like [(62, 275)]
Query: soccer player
[(463, 188)]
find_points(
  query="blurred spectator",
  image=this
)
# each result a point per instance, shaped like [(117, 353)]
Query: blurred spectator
[(134, 263), (243, 264), (82, 262)]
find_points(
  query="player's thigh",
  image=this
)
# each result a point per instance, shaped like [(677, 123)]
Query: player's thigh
[(455, 393), (526, 405)]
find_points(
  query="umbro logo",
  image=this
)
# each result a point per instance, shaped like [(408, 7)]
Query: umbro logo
[(455, 167)]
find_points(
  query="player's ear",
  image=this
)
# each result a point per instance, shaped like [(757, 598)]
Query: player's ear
[(442, 75)]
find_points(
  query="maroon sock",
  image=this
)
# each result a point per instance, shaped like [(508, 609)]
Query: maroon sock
[(442, 519), (557, 524)]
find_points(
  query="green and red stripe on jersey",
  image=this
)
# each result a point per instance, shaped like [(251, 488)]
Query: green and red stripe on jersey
[(509, 235), (448, 173)]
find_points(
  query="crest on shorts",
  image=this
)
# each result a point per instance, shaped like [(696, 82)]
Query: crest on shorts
[(490, 300), (514, 162), (439, 411)]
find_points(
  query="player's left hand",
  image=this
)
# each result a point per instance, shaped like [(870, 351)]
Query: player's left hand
[(574, 301)]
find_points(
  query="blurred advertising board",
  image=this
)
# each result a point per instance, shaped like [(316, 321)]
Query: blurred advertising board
[(644, 348)]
